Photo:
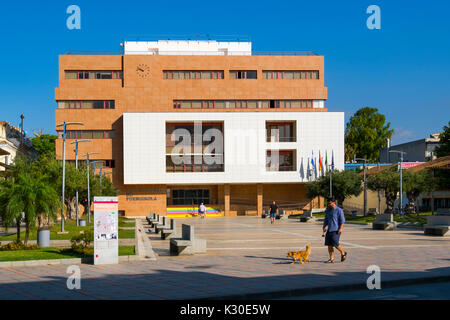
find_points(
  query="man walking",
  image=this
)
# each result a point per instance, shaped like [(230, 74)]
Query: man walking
[(334, 220), (202, 210), (273, 212)]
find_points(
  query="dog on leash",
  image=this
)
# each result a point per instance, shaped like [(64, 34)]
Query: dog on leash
[(301, 256)]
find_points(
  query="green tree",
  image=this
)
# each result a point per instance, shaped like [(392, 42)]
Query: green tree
[(387, 180), (415, 183), (365, 134), (45, 144), (27, 191), (346, 183), (444, 147)]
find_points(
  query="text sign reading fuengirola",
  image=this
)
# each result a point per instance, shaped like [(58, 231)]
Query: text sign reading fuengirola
[(106, 230)]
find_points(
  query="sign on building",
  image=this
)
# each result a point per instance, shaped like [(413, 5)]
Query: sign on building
[(106, 230)]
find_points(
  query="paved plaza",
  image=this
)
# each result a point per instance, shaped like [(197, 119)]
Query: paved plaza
[(246, 258)]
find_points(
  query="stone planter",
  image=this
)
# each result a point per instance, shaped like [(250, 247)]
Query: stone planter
[(43, 237), (82, 222)]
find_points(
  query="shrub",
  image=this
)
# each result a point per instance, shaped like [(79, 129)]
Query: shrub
[(18, 245), (82, 240)]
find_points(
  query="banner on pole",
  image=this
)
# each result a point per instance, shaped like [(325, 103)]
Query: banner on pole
[(106, 230)]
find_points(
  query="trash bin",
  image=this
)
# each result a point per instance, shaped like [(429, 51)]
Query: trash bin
[(43, 237), (354, 213), (82, 222)]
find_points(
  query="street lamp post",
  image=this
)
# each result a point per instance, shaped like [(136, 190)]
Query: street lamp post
[(88, 192), (76, 142), (21, 132), (365, 183), (64, 124), (401, 178)]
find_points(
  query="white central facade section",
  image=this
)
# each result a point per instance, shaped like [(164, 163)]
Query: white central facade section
[(188, 47), (245, 146)]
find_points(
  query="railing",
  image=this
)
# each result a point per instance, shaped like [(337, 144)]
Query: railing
[(198, 53)]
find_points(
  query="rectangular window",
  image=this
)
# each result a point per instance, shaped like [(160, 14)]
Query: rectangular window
[(86, 104), (209, 159), (192, 74), (243, 74), (283, 131), (69, 74), (291, 74), (280, 160)]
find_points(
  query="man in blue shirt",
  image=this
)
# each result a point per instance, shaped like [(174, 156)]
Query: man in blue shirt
[(334, 220)]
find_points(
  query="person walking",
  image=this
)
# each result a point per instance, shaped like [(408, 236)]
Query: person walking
[(202, 210), (273, 212), (333, 224)]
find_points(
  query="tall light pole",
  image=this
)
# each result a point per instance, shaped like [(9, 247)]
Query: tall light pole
[(401, 177), (64, 124), (76, 167), (365, 183), (88, 192), (21, 132)]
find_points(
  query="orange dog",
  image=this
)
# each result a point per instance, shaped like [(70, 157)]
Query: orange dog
[(301, 256)]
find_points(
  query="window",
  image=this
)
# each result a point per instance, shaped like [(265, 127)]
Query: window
[(93, 74), (87, 104), (188, 75), (280, 160), (87, 134), (247, 74), (290, 75), (207, 157), (190, 197), (283, 131), (241, 104)]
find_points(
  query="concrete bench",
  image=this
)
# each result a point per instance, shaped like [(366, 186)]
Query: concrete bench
[(437, 226), (384, 221), (156, 221), (169, 232), (163, 225), (150, 217), (307, 216), (187, 244), (372, 212)]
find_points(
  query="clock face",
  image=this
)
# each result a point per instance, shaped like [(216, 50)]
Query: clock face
[(143, 71)]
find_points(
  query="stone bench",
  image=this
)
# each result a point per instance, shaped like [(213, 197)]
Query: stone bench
[(372, 212), (169, 232), (156, 221), (437, 226), (384, 221), (150, 218), (307, 216), (163, 225), (187, 244)]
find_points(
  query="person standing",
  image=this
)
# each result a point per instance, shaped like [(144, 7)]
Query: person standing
[(273, 212), (333, 224), (202, 210)]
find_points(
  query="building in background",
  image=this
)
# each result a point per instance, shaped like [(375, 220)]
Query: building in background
[(264, 113), (416, 151), (10, 137)]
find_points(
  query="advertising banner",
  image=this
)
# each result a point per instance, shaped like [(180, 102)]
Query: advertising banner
[(106, 230), (407, 165)]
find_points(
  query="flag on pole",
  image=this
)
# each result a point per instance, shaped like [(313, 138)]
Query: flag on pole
[(302, 173), (332, 160), (312, 161), (326, 161), (320, 165), (308, 171), (315, 168)]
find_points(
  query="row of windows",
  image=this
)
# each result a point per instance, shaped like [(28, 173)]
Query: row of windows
[(291, 75), (201, 74), (105, 163), (241, 104), (189, 197), (87, 134), (87, 104), (183, 75), (93, 74)]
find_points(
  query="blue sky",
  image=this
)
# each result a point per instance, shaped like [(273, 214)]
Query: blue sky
[(402, 69)]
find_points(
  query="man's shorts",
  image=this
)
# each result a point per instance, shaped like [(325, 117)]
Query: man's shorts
[(273, 215), (332, 239)]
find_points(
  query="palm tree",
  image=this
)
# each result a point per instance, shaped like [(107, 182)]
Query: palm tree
[(27, 190)]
